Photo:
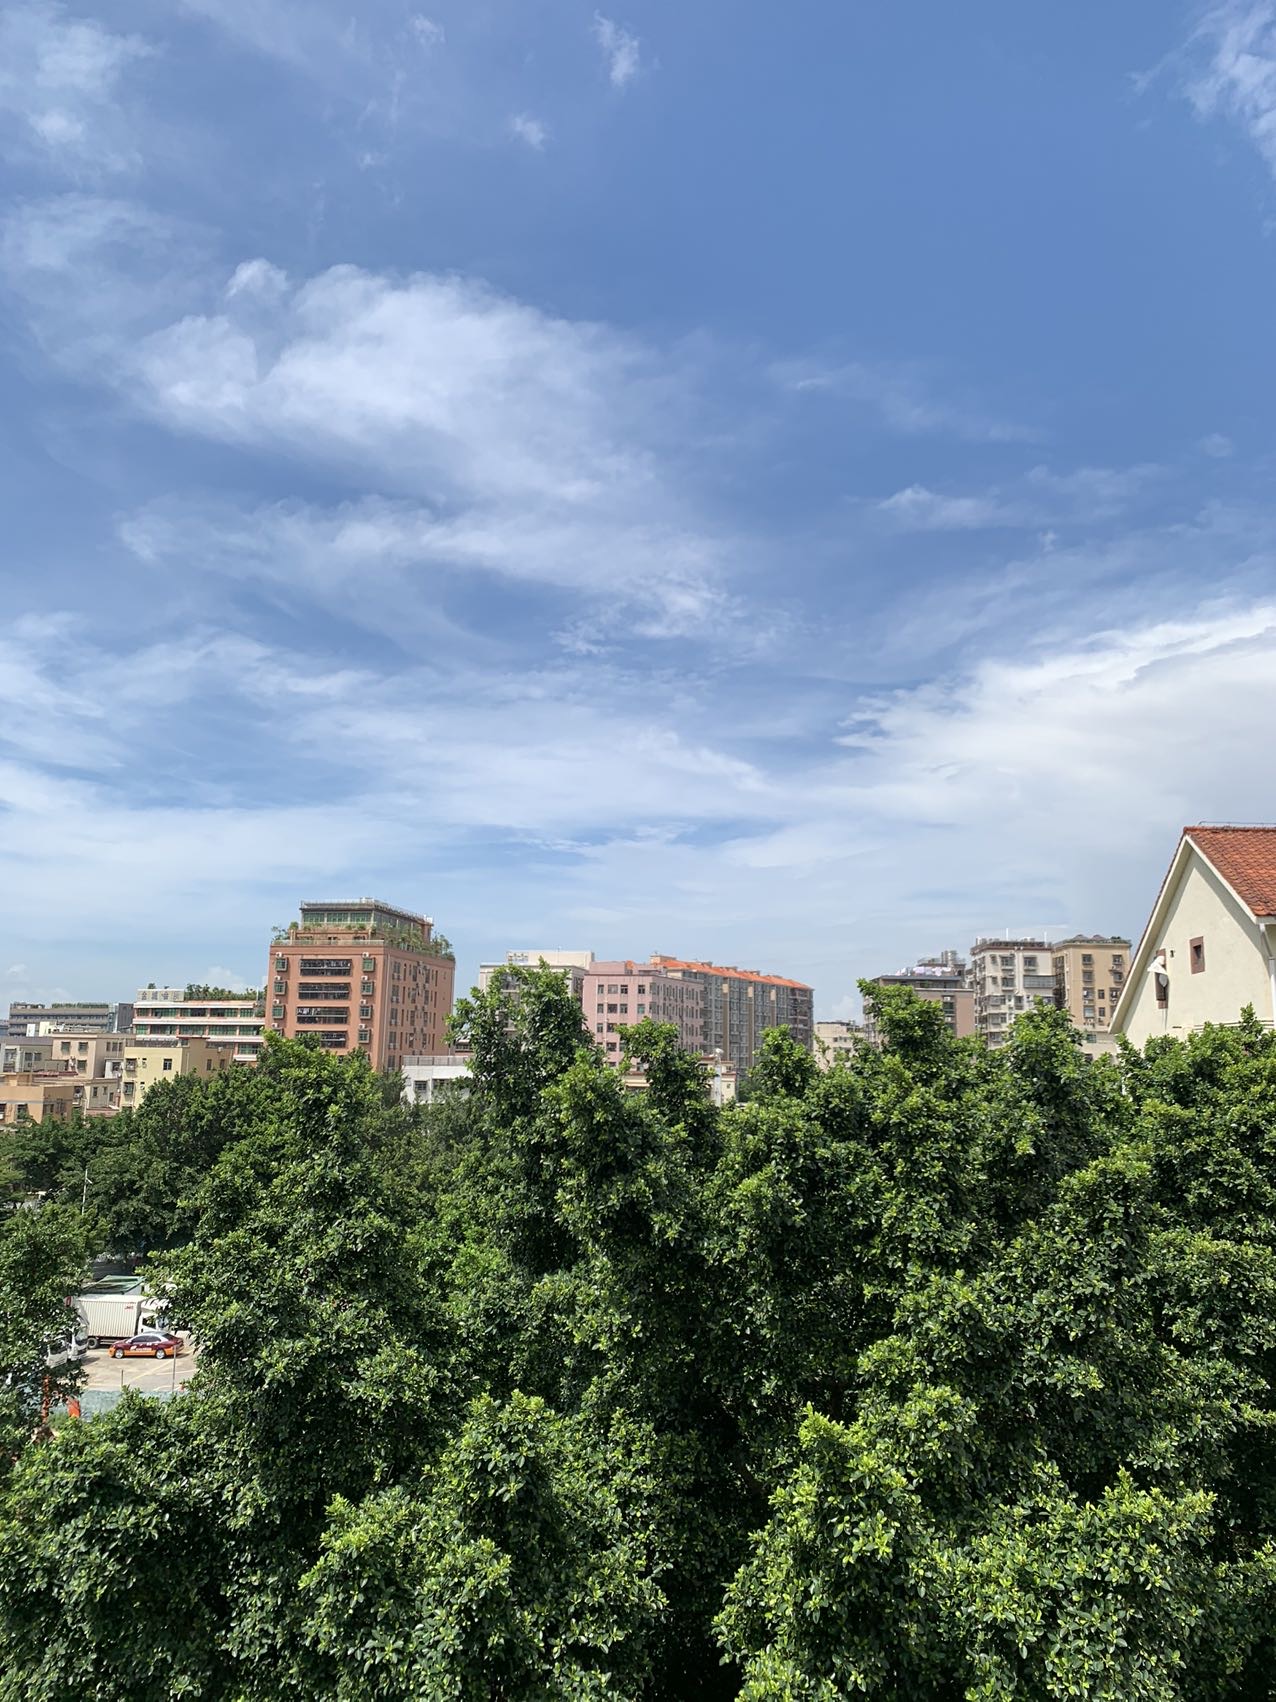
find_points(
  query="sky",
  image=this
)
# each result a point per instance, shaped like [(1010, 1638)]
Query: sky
[(791, 485)]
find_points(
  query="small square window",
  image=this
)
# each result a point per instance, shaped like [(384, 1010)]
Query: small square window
[(1196, 952), (168, 1063)]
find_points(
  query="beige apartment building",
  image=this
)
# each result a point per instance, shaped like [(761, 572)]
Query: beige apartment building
[(1007, 977), (149, 1061), (87, 1054), (33, 1053), (835, 1041), (83, 1017), (362, 976), (941, 981), (1089, 974), (167, 1013), (29, 1096)]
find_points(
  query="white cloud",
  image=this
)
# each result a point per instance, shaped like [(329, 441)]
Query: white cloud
[(1217, 446), (1237, 79), (426, 31), (917, 509), (621, 50), (499, 439), (529, 130), (59, 88)]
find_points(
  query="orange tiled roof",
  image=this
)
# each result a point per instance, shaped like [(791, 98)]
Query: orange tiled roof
[(1246, 859), (722, 969)]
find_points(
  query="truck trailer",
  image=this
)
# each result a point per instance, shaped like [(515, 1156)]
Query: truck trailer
[(114, 1309)]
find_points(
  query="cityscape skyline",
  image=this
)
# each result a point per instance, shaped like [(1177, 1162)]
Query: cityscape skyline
[(751, 484)]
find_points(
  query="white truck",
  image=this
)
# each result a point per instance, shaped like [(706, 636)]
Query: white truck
[(114, 1309)]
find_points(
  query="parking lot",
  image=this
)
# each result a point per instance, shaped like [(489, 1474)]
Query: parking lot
[(151, 1376)]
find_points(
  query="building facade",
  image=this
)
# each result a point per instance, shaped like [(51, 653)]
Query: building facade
[(362, 976), (1089, 975), (1008, 977), (1209, 948), (25, 1018), (942, 981), (29, 1096), (33, 1053), (835, 1041), (573, 964), (740, 1004), (87, 1055), (165, 1013), (149, 1061), (619, 994)]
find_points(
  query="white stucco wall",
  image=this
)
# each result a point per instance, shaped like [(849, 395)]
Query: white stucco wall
[(1235, 973)]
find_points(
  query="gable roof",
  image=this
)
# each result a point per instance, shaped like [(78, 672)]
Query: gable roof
[(1244, 859)]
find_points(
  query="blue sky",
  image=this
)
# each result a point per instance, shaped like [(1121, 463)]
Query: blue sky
[(785, 484)]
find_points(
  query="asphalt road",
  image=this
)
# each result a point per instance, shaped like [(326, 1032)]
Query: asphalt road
[(103, 1372)]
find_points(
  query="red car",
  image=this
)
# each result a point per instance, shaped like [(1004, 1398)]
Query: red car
[(149, 1342)]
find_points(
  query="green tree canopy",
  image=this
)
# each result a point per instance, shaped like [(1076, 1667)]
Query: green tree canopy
[(944, 1375)]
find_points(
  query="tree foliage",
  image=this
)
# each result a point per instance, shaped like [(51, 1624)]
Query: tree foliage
[(944, 1374)]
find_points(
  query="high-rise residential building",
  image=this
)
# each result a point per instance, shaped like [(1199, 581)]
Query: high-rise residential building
[(740, 1004), (149, 1061), (619, 994), (940, 981), (362, 976), (210, 1013), (573, 964), (835, 1041), (1089, 973), (27, 1018), (1009, 976)]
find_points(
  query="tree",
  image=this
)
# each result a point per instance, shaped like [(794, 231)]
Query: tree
[(42, 1260)]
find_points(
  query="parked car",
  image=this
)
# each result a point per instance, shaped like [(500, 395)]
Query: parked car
[(60, 1350), (150, 1342)]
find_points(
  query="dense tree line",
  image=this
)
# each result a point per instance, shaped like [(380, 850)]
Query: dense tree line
[(946, 1374)]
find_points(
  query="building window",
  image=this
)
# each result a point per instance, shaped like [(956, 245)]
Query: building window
[(168, 1063), (1118, 960), (642, 987), (1087, 975), (598, 1028), (598, 1010), (1196, 949), (624, 1010), (369, 964)]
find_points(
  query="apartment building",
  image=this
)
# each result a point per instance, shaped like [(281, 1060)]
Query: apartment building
[(1089, 974), (617, 995), (210, 1013), (33, 1053), (941, 981), (835, 1041), (740, 1004), (153, 1060), (573, 964), (89, 1055), (29, 1096), (90, 1018), (1007, 977), (362, 976)]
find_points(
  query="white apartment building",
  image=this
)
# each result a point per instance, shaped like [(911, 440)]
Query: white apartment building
[(1008, 977), (575, 965), (165, 1013)]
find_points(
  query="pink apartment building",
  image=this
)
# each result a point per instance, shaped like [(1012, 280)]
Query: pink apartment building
[(617, 995)]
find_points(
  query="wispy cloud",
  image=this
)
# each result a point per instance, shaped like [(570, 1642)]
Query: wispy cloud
[(59, 88), (529, 130), (902, 397), (622, 52), (426, 31), (1043, 497), (1233, 70)]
